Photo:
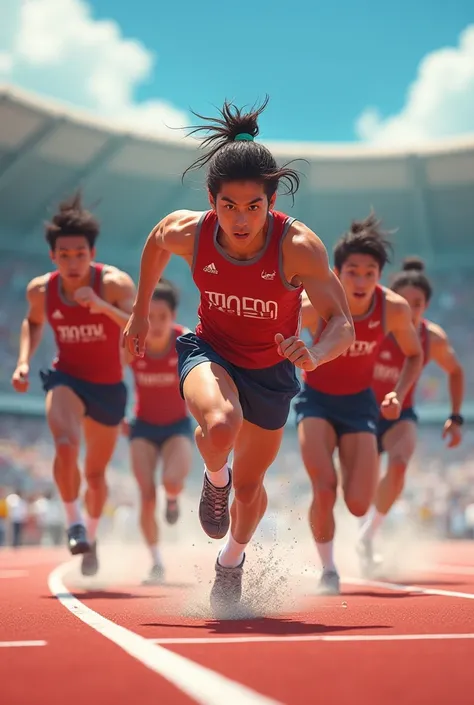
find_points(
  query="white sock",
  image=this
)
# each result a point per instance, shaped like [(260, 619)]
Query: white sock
[(371, 525), (325, 551), (219, 478), (73, 513), (155, 554), (91, 526), (232, 554)]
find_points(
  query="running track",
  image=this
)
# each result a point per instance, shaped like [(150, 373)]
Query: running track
[(381, 642)]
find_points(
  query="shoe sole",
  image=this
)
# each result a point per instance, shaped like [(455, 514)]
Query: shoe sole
[(80, 548)]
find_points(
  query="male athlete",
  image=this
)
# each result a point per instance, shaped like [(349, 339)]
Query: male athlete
[(87, 305), (250, 264), (161, 428), (336, 407), (398, 437)]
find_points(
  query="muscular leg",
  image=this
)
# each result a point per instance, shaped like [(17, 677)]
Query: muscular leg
[(359, 466), (212, 399), (399, 442), (177, 459), (100, 443), (64, 413), (144, 457), (318, 441), (255, 450)]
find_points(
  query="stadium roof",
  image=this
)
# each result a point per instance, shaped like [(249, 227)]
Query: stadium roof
[(47, 150)]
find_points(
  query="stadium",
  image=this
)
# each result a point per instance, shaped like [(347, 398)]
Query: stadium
[(424, 196)]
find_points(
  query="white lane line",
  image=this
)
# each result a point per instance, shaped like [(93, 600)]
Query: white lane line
[(16, 644), (396, 587), (13, 573), (201, 684), (308, 637)]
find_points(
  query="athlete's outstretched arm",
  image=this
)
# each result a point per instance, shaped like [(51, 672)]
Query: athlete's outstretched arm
[(173, 235), (306, 260), (400, 324), (31, 331), (441, 352)]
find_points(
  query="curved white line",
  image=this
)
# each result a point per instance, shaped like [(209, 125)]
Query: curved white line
[(201, 684)]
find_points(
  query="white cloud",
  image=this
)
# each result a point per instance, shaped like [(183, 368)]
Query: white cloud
[(56, 48), (439, 103)]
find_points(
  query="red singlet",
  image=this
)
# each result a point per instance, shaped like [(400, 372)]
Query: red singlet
[(158, 400), (244, 303), (88, 344), (388, 367), (352, 372)]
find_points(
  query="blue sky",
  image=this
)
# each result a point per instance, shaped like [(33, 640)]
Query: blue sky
[(338, 71)]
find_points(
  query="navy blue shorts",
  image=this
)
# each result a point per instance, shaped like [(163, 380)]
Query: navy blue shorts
[(105, 403), (384, 425), (158, 435), (265, 394), (347, 413)]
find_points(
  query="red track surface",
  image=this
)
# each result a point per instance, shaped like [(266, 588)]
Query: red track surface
[(78, 664)]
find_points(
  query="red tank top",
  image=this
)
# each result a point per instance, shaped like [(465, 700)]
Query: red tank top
[(352, 371), (244, 303), (158, 400), (88, 344), (390, 361)]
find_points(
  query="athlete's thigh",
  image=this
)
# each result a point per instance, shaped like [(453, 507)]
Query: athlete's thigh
[(400, 440), (64, 412), (177, 455), (208, 388), (100, 443), (318, 441), (255, 450), (144, 456), (359, 462)]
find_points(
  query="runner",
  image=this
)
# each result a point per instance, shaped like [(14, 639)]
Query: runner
[(336, 407), (87, 305), (398, 437), (161, 429), (250, 264)]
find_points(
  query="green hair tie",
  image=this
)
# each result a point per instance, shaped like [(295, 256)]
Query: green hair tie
[(243, 137)]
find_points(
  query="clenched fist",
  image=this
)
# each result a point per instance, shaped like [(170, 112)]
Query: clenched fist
[(296, 351)]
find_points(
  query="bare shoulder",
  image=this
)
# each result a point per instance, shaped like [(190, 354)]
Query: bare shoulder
[(303, 251), (395, 303), (117, 277), (36, 288), (176, 232), (435, 332)]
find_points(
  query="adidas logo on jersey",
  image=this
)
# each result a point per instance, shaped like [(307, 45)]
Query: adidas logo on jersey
[(210, 269), (57, 315)]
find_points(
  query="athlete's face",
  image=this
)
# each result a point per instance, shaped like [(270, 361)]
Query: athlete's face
[(359, 276), (73, 256), (161, 319), (242, 210), (416, 300)]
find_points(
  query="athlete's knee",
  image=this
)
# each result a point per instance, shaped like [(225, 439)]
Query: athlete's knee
[(324, 496), (222, 427), (397, 467), (96, 480), (247, 492), (67, 445), (148, 498), (357, 505)]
